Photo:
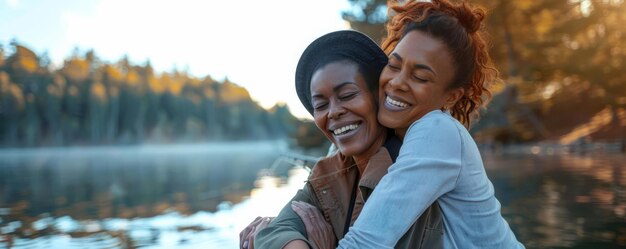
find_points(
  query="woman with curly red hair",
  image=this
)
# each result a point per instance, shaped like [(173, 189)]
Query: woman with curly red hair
[(430, 92)]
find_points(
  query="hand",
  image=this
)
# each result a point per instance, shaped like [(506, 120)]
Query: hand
[(246, 236), (320, 233)]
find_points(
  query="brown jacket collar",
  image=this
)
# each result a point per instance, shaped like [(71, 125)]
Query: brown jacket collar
[(332, 180)]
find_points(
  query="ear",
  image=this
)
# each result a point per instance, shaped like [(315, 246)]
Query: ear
[(454, 95)]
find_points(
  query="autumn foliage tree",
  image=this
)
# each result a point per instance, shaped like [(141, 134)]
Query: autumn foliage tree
[(554, 55)]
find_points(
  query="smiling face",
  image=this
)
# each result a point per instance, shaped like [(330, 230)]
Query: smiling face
[(345, 109), (415, 81)]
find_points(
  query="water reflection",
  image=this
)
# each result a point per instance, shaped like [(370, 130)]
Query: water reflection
[(124, 197), (563, 201), (202, 197), (172, 229)]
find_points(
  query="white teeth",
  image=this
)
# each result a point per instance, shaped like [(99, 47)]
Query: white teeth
[(345, 129), (395, 102)]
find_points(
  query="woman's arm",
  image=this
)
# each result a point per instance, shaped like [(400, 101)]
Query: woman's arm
[(297, 244), (428, 167), (246, 236), (287, 226), (319, 232)]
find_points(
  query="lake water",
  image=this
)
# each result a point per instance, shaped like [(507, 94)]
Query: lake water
[(201, 196)]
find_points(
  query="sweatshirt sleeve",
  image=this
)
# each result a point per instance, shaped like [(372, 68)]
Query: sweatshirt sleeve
[(287, 226), (427, 167)]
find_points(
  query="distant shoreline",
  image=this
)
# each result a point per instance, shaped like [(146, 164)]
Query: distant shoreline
[(177, 148), (547, 148), (281, 145)]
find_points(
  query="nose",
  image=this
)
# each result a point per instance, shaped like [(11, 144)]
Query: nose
[(398, 82), (335, 110)]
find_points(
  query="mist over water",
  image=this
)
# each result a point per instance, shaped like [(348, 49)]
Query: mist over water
[(115, 193)]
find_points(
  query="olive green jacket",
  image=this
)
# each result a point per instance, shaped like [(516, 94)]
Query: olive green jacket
[(329, 188)]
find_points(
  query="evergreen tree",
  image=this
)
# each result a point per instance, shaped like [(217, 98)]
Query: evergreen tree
[(88, 101)]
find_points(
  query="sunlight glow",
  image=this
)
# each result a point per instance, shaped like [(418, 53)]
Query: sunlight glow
[(255, 44)]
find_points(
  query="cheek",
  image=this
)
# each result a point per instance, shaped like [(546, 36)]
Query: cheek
[(320, 122), (421, 93), (381, 98), (382, 81), (373, 109), (370, 115), (438, 96), (366, 106)]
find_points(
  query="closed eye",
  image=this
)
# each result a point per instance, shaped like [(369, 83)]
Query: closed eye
[(419, 79), (393, 67), (320, 106), (347, 96)]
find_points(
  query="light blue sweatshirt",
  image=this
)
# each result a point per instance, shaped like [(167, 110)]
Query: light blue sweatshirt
[(438, 161)]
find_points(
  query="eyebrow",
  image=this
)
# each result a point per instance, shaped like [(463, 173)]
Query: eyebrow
[(417, 65), (336, 88)]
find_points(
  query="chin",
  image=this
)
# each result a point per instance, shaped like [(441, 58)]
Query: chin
[(347, 150), (387, 120)]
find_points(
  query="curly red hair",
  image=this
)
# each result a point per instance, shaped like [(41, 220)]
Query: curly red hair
[(460, 27)]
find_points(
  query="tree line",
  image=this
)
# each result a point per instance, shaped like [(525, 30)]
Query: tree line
[(88, 101)]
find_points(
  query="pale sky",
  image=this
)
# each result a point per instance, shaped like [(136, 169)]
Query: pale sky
[(254, 43)]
